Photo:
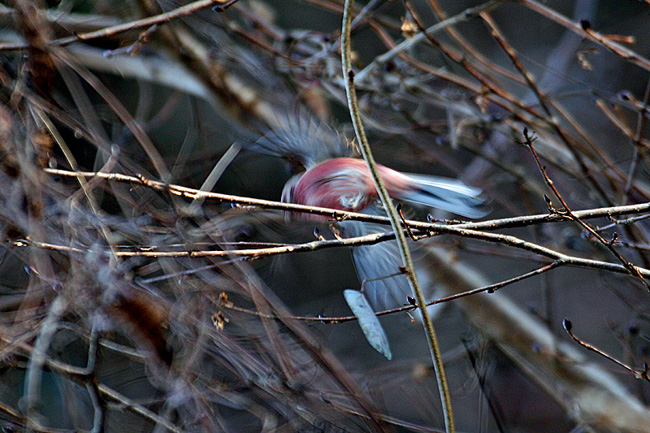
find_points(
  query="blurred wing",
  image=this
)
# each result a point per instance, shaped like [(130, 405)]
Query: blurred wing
[(368, 321), (447, 194), (378, 267), (302, 140)]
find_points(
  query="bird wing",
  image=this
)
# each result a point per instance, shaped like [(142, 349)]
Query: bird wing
[(378, 267), (301, 140)]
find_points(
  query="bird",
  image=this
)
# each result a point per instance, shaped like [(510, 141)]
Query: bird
[(345, 183), (329, 174)]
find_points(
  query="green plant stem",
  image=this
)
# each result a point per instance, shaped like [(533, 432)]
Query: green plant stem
[(348, 75)]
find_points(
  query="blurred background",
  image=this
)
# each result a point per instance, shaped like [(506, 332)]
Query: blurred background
[(126, 305)]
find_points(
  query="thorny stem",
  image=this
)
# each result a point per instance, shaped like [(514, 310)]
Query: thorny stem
[(348, 76)]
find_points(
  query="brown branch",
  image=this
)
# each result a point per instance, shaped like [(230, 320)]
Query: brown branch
[(466, 15), (487, 63), (466, 229), (121, 28), (543, 101), (224, 303), (461, 59), (529, 139), (502, 239), (251, 253), (339, 215), (639, 374), (583, 29)]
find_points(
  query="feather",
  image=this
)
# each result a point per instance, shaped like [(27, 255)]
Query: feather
[(445, 194), (378, 267), (302, 140)]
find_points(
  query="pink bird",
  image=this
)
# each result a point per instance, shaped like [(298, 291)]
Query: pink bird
[(346, 184), (333, 179)]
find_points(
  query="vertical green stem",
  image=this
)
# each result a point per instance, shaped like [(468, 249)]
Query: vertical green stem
[(348, 75)]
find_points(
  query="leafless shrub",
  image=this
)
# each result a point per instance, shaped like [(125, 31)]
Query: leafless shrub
[(133, 299)]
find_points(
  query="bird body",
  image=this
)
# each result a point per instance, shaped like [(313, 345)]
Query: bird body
[(339, 183), (346, 184)]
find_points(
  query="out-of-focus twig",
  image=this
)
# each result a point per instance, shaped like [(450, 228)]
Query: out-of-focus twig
[(584, 30), (121, 28), (421, 36), (559, 368), (543, 101)]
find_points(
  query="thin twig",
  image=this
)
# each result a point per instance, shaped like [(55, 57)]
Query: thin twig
[(224, 303), (370, 239), (348, 74), (543, 101), (584, 30), (339, 215), (529, 139), (121, 28), (639, 374), (466, 15)]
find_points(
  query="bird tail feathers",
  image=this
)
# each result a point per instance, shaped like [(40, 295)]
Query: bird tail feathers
[(447, 194)]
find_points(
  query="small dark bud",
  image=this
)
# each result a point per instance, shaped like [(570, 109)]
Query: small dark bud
[(566, 323), (217, 9), (351, 75), (402, 269), (399, 206), (585, 24), (549, 203), (490, 291), (411, 300)]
